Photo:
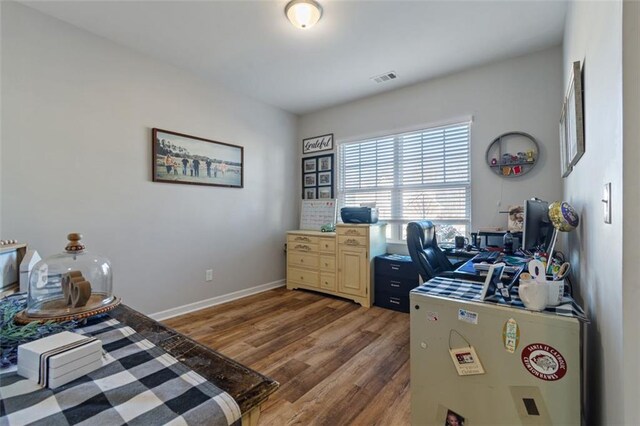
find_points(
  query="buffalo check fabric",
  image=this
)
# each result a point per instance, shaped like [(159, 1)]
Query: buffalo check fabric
[(456, 288), (138, 384)]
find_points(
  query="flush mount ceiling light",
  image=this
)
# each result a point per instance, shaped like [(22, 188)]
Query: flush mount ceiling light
[(303, 14)]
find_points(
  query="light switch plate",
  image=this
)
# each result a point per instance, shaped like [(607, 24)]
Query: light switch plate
[(606, 202)]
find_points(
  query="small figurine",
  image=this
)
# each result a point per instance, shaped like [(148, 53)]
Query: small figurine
[(506, 158), (522, 157), (517, 170), (494, 162), (530, 158), (506, 171)]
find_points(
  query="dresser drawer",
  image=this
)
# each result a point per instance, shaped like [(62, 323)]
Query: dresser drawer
[(304, 260), (395, 286), (302, 247), (392, 301), (302, 276), (328, 263), (327, 281), (328, 245), (295, 238), (352, 231), (352, 241), (396, 266)]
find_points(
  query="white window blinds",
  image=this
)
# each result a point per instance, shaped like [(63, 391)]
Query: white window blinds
[(410, 176)]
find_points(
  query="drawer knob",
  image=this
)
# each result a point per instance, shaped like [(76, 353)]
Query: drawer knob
[(351, 232), (303, 247), (302, 239), (352, 242)]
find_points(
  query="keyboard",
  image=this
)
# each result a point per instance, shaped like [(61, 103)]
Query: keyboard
[(486, 256)]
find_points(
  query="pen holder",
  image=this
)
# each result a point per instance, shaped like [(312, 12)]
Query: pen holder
[(556, 291)]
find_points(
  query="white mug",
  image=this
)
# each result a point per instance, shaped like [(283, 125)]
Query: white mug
[(533, 294)]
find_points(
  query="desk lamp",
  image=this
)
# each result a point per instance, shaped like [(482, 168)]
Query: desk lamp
[(564, 219)]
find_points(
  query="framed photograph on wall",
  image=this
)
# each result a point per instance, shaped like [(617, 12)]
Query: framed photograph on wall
[(310, 180), (309, 165), (180, 158), (324, 178), (565, 167), (325, 192), (317, 177), (575, 116), (310, 194)]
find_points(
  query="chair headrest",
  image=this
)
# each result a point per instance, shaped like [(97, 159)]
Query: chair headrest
[(424, 230)]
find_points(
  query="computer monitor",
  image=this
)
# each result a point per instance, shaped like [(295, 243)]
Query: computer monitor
[(537, 231)]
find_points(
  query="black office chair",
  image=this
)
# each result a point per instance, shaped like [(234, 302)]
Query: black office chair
[(425, 253)]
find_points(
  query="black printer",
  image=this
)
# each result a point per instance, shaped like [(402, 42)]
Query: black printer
[(359, 214)]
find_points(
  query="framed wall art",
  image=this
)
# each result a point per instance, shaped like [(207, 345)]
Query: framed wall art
[(575, 116), (565, 167), (180, 158), (317, 177), (317, 143)]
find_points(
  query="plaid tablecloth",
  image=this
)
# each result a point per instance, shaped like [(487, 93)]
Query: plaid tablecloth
[(139, 384), (470, 290)]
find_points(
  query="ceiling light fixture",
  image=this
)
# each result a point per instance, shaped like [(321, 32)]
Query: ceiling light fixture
[(303, 14)]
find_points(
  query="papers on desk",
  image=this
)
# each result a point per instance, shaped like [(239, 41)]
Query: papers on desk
[(484, 267), (479, 270)]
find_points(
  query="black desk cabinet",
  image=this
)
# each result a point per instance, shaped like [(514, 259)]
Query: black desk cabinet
[(395, 277)]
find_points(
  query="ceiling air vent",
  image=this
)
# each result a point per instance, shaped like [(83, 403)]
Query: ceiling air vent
[(391, 75)]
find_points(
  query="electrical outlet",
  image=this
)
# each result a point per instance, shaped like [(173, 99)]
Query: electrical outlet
[(208, 275)]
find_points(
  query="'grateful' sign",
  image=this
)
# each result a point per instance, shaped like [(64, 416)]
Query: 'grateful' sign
[(317, 143)]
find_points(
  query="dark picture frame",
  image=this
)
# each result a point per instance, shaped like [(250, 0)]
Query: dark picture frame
[(317, 144), (565, 167), (575, 116), (185, 159), (317, 177)]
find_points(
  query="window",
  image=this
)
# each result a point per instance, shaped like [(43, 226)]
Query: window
[(411, 176)]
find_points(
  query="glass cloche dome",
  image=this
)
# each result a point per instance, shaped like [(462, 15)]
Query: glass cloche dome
[(71, 285)]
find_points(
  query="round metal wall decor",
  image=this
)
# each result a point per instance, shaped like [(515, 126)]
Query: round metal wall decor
[(507, 162)]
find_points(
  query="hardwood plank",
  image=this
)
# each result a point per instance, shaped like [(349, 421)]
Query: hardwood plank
[(337, 363)]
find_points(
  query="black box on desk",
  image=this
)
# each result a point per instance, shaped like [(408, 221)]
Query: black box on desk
[(395, 277)]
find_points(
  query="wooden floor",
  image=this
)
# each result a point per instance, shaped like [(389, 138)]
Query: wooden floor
[(337, 363)]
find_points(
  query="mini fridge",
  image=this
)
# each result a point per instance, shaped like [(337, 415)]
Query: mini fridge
[(530, 360)]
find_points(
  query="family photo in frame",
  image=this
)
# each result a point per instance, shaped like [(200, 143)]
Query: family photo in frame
[(180, 158)]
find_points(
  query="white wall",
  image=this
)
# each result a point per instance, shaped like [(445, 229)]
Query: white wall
[(593, 34), (522, 94), (77, 113), (631, 194)]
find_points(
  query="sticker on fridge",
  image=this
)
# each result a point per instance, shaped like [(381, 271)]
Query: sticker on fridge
[(544, 362), (511, 335), (468, 316)]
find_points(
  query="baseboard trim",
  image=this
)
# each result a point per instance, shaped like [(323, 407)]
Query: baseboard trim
[(196, 306)]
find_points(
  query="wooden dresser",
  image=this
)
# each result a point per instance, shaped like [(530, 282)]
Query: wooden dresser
[(338, 263)]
